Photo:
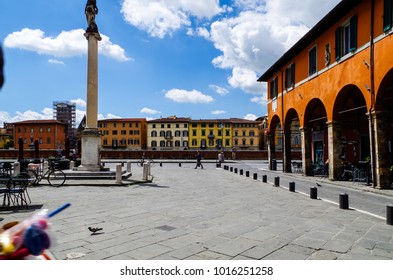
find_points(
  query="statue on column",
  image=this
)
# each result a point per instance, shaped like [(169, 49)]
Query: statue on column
[(91, 10)]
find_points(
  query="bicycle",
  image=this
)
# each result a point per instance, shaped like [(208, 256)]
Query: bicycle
[(55, 177), (145, 160), (347, 172)]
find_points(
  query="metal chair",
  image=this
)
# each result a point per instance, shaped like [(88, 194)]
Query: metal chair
[(4, 189)]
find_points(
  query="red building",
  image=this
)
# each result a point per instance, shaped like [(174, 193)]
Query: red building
[(50, 134)]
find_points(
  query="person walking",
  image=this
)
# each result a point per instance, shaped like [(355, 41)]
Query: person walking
[(198, 159)]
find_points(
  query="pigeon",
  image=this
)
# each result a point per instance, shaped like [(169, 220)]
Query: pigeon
[(94, 230), (319, 185)]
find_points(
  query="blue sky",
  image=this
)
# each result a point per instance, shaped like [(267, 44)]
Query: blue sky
[(188, 58)]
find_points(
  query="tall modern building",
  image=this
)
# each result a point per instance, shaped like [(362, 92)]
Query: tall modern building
[(65, 112)]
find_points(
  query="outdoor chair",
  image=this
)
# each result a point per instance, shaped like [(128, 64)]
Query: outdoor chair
[(18, 190), (4, 189)]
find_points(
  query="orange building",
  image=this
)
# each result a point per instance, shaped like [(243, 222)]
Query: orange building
[(127, 133), (337, 83), (51, 134)]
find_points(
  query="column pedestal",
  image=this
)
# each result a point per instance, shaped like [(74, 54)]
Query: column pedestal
[(91, 159)]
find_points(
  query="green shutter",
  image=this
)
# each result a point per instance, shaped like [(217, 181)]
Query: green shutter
[(354, 33), (338, 43), (387, 15)]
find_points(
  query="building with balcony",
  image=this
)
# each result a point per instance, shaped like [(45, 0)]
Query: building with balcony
[(169, 133), (123, 133), (336, 83), (51, 134)]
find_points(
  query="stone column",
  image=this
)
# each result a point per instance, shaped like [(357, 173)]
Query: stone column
[(306, 151), (334, 149), (286, 153), (90, 136), (382, 175)]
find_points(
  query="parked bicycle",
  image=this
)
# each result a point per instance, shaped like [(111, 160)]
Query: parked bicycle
[(54, 176), (347, 172), (144, 160)]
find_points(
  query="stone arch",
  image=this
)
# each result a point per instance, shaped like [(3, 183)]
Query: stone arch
[(292, 139), (274, 136), (314, 136)]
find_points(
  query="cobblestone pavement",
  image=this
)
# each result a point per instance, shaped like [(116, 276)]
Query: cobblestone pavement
[(209, 213)]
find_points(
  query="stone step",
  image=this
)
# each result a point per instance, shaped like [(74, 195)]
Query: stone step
[(94, 175)]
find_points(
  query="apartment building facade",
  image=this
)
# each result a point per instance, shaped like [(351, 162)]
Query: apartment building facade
[(169, 133), (123, 133), (336, 82), (51, 134)]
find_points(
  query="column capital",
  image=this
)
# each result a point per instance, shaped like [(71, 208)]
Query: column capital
[(95, 34)]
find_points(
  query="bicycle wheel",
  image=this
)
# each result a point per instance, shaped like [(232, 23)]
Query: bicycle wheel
[(56, 178)]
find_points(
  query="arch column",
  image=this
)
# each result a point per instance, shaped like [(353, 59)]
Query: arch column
[(271, 150), (305, 133), (381, 174), (334, 148), (286, 153)]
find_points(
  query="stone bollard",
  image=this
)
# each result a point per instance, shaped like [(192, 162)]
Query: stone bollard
[(247, 173), (292, 186), (146, 171), (72, 164), (277, 181), (128, 166), (343, 201), (255, 176), (264, 178), (119, 173), (313, 193), (16, 168), (389, 214)]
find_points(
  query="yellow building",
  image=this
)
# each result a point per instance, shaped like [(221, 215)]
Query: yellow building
[(128, 133), (6, 136), (169, 133), (210, 134), (245, 134)]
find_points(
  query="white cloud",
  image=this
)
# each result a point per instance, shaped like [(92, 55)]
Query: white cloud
[(150, 111), (218, 112), (79, 102), (250, 117), (108, 116), (261, 100), (46, 113), (55, 61), (184, 96), (66, 44), (219, 90), (163, 17), (254, 39)]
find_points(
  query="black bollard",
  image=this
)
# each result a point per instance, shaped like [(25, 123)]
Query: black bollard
[(313, 193), (255, 176), (389, 214), (241, 171), (179, 164), (292, 186), (160, 164), (231, 169), (225, 167), (264, 178), (236, 170), (247, 173), (343, 201), (277, 181)]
